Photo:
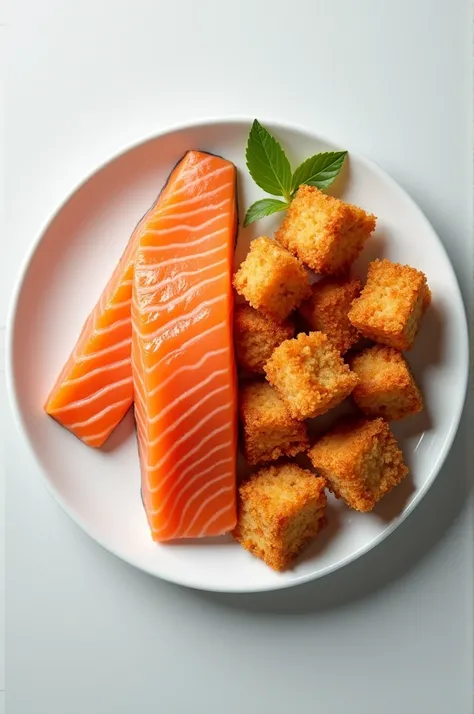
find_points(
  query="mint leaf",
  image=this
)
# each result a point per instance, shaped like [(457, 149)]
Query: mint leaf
[(319, 170), (267, 162), (262, 208), (270, 169)]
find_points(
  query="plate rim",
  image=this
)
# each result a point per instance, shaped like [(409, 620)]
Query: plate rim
[(22, 272)]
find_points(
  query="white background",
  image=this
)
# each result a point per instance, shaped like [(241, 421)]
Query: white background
[(392, 632)]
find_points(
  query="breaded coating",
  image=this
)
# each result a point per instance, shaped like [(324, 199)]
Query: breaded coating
[(271, 279), (391, 305), (269, 431), (324, 232), (361, 461), (386, 386), (280, 508), (309, 375), (256, 336), (326, 310)]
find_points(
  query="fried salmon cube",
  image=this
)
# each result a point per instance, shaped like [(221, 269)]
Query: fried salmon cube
[(391, 305), (271, 279), (360, 460), (256, 336), (280, 508), (327, 308), (325, 233), (386, 387), (310, 375), (269, 431)]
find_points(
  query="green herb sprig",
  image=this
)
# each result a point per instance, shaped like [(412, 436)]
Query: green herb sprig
[(270, 169)]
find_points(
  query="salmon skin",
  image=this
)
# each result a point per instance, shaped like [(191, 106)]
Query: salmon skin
[(94, 390), (182, 353)]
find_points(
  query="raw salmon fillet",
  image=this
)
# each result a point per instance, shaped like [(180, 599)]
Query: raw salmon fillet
[(95, 387), (182, 353)]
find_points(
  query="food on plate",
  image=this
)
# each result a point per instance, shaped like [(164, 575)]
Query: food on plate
[(325, 233), (256, 336), (391, 305), (182, 353), (326, 310), (271, 279), (360, 460), (166, 335), (281, 508), (269, 431), (94, 390), (386, 387), (309, 374)]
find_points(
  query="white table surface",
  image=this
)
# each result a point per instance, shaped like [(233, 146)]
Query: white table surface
[(392, 632)]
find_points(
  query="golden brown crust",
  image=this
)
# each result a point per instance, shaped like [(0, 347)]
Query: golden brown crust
[(327, 309), (256, 336), (269, 431), (271, 279), (391, 305), (280, 508), (324, 232), (309, 374), (386, 387), (360, 460)]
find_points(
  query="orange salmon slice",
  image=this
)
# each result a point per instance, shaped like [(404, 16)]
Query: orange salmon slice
[(182, 353), (94, 390)]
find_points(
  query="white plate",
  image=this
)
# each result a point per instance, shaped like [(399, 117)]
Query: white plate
[(65, 274)]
